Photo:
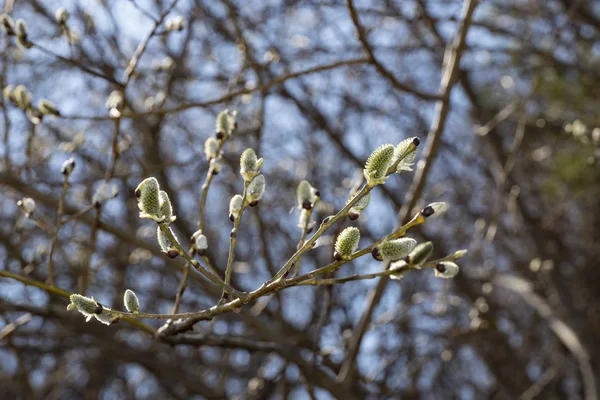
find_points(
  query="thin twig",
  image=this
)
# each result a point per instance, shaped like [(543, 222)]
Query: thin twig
[(61, 206)]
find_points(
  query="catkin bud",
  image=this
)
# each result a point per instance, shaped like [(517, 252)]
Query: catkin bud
[(33, 115), (61, 16), (106, 316), (85, 305), (249, 164), (215, 166), (175, 24), (8, 93), (104, 192), (407, 150), (22, 34), (307, 195), (8, 24), (199, 242), (346, 243), (27, 205), (166, 245), (459, 253), (235, 206), (359, 206), (434, 209), (132, 304), (68, 167), (22, 97), (21, 27), (211, 148), (115, 100), (305, 220), (420, 254), (255, 190), (394, 250), (148, 194), (165, 213), (377, 164), (446, 269), (48, 108), (226, 123)]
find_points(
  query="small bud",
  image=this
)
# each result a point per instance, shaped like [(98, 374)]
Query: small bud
[(71, 307), (359, 206), (106, 317), (306, 195), (173, 253), (22, 35), (305, 220), (215, 166), (211, 148), (394, 250), (27, 205), (34, 115), (85, 305), (166, 210), (8, 93), (148, 193), (434, 208), (175, 24), (115, 100), (106, 192), (407, 150), (199, 242), (235, 206), (255, 189), (48, 108), (376, 254), (459, 253), (67, 167), (8, 24), (446, 269), (21, 27), (347, 242), (249, 164), (420, 254), (377, 164), (164, 241), (226, 123), (398, 269), (61, 16), (22, 97), (131, 302)]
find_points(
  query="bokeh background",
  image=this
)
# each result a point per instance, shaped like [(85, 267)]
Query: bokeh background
[(504, 96)]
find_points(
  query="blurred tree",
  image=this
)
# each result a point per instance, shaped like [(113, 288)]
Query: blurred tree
[(503, 94)]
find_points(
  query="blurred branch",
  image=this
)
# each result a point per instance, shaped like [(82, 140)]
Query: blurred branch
[(563, 332), (451, 64), (373, 60)]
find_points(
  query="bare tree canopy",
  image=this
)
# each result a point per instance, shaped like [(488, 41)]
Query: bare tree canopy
[(243, 199)]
